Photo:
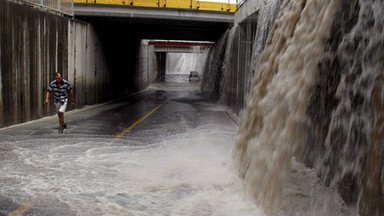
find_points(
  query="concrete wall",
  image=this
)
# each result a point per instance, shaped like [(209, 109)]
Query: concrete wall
[(247, 8), (152, 65), (33, 46), (231, 62), (144, 65)]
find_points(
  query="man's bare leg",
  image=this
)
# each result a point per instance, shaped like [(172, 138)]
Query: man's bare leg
[(61, 120)]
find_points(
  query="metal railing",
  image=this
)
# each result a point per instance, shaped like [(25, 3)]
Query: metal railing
[(179, 4), (55, 6)]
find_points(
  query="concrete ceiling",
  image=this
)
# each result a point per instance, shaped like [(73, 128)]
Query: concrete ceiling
[(156, 23)]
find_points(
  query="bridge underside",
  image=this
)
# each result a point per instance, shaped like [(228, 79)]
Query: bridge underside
[(156, 23), (121, 30), (139, 28)]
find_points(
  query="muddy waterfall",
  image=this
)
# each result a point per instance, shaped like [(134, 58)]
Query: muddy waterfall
[(306, 78)]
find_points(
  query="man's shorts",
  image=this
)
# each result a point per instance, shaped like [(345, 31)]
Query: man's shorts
[(61, 106)]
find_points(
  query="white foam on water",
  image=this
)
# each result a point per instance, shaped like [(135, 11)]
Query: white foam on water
[(189, 174), (185, 174)]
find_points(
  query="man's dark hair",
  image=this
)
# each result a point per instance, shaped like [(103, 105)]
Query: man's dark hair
[(61, 75)]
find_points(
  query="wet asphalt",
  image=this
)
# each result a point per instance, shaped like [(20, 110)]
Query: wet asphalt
[(161, 111)]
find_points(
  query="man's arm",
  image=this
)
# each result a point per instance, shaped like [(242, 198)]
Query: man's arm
[(47, 97), (72, 97)]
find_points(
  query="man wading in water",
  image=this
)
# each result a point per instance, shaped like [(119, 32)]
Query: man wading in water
[(61, 89)]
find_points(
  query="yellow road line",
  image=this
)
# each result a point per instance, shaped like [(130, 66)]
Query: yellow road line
[(135, 124), (31, 201)]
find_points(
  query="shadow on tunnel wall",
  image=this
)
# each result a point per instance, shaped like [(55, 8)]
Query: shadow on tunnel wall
[(122, 50), (34, 45)]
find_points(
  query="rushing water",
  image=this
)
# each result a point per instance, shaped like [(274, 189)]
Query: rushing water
[(274, 120), (213, 68), (183, 63), (175, 163), (317, 95), (356, 165), (316, 99)]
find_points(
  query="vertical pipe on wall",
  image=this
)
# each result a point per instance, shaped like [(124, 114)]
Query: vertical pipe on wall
[(1, 82), (56, 50), (39, 84)]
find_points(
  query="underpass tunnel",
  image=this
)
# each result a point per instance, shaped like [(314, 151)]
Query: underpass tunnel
[(175, 60), (135, 61), (120, 45)]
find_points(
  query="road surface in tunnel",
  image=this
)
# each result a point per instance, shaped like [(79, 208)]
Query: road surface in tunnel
[(164, 151)]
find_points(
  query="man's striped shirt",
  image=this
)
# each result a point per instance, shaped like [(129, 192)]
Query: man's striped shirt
[(60, 92)]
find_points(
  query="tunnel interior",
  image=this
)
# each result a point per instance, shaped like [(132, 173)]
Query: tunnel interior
[(121, 37)]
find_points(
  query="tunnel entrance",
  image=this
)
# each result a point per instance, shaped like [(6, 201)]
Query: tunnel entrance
[(175, 61), (137, 51)]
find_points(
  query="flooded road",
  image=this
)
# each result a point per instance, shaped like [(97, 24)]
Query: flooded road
[(164, 151)]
